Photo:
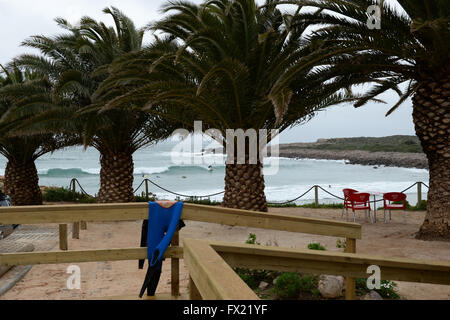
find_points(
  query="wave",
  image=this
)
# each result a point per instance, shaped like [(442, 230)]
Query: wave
[(68, 172), (80, 172)]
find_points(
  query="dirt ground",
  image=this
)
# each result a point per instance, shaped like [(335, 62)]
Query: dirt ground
[(106, 279)]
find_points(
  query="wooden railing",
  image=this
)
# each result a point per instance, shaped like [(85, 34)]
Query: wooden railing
[(210, 262), (62, 214), (211, 276)]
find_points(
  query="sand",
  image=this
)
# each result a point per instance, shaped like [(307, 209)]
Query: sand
[(104, 279)]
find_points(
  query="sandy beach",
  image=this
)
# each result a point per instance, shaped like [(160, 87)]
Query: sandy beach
[(106, 279)]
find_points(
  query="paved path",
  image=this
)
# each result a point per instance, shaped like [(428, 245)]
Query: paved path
[(43, 238)]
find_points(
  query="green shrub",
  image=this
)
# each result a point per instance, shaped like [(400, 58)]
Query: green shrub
[(387, 288), (65, 195), (288, 285), (316, 246), (252, 239), (341, 244), (308, 283), (308, 205), (253, 277), (422, 206), (144, 198)]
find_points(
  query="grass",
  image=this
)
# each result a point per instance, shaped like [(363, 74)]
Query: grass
[(407, 144), (308, 205), (387, 288), (316, 246), (65, 195)]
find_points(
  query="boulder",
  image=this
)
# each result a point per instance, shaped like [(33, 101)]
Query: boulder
[(263, 285), (372, 295), (331, 286)]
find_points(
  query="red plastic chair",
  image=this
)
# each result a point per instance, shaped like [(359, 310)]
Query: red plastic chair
[(347, 204), (390, 197), (360, 201)]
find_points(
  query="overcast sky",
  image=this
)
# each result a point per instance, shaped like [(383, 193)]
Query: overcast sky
[(23, 18)]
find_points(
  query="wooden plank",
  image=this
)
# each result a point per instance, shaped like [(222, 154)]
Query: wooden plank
[(33, 258), (212, 276), (331, 262), (63, 241), (74, 213), (175, 268), (194, 212), (350, 284), (158, 296), (194, 294), (263, 220)]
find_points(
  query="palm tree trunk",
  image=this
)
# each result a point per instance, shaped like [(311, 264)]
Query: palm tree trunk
[(116, 177), (22, 183), (432, 118), (244, 187)]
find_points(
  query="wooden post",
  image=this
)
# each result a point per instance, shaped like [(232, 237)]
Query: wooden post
[(316, 195), (146, 189), (350, 286), (419, 193), (63, 237), (194, 294), (83, 225), (175, 268), (76, 230)]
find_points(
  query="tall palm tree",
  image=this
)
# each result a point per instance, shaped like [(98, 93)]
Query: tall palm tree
[(19, 89), (78, 62), (410, 54), (235, 65)]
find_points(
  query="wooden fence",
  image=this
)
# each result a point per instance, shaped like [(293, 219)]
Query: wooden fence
[(211, 275), (63, 214), (210, 262)]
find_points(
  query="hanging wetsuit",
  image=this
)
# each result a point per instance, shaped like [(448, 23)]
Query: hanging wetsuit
[(157, 232)]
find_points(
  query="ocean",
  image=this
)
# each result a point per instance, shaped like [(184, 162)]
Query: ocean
[(205, 174)]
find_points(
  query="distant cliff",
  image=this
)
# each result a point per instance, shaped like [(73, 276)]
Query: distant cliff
[(398, 151)]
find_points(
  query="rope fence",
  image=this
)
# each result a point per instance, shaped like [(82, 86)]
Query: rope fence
[(316, 188)]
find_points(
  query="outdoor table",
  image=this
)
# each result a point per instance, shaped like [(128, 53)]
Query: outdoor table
[(374, 194)]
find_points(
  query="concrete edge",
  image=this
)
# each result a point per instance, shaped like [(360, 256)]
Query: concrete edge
[(12, 282)]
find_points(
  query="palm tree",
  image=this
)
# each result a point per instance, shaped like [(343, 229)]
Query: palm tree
[(235, 65), (78, 62), (409, 54), (19, 89)]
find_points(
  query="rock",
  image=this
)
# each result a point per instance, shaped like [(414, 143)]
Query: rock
[(372, 295), (275, 280), (331, 286), (263, 285)]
